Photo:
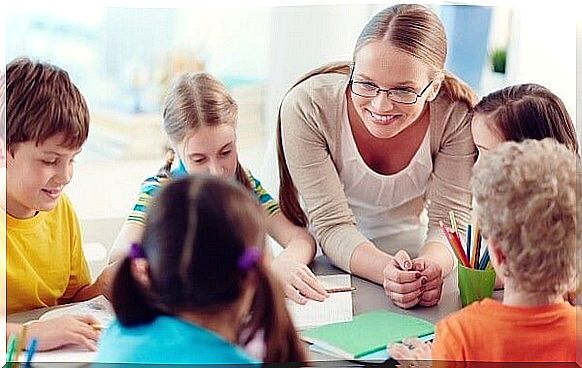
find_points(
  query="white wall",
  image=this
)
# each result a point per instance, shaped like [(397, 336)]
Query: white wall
[(303, 38), (542, 50)]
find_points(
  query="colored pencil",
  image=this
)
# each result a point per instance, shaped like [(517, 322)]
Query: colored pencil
[(457, 238), (455, 244), (483, 262), (10, 347), (468, 243), (478, 240), (30, 352), (453, 221), (21, 342)]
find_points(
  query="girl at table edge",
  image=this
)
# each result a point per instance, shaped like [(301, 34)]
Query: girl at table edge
[(410, 42)]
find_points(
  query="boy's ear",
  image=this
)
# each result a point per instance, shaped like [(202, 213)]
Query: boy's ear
[(495, 253)]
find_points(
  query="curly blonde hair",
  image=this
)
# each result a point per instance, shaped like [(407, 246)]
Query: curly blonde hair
[(525, 195)]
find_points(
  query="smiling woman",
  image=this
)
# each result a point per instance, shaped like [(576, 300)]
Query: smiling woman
[(369, 145)]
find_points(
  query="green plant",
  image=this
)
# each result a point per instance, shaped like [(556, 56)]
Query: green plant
[(498, 60)]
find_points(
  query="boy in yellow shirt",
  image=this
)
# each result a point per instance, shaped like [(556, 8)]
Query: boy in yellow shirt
[(48, 122)]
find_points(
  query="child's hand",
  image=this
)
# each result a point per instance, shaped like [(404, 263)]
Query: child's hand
[(104, 282), (299, 283), (65, 330), (410, 350), (402, 284)]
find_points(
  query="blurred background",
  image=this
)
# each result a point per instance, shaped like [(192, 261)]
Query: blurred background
[(123, 59)]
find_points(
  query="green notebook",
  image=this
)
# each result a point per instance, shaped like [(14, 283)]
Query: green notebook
[(367, 333)]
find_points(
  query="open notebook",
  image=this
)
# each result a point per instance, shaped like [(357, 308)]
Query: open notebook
[(366, 334), (336, 308), (73, 356), (98, 307)]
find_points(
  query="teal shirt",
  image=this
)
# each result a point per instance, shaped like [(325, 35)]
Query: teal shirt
[(167, 340), (152, 184)]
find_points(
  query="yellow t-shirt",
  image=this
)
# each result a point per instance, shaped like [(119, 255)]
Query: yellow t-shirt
[(45, 264)]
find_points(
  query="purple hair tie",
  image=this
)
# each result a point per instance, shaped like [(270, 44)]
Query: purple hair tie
[(136, 251), (248, 259)]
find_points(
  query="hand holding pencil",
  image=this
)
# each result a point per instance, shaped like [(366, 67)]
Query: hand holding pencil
[(65, 330)]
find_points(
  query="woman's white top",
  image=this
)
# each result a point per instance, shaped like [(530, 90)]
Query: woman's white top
[(387, 208)]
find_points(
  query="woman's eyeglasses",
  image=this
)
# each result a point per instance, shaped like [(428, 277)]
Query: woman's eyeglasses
[(369, 90)]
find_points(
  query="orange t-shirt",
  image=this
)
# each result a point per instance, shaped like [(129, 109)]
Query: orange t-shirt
[(493, 332)]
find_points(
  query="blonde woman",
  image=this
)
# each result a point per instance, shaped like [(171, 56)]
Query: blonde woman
[(200, 119), (369, 145)]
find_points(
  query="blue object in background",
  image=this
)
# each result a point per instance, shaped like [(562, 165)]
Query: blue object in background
[(467, 28)]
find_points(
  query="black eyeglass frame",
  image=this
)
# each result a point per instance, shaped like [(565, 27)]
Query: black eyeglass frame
[(388, 90)]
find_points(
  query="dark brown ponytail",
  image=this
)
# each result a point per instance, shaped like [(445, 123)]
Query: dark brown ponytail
[(269, 314), (131, 304), (288, 198)]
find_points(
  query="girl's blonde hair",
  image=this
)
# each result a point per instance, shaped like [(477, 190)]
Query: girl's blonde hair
[(525, 195), (414, 29), (197, 99)]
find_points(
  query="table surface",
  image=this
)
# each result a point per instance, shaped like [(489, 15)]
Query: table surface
[(367, 297)]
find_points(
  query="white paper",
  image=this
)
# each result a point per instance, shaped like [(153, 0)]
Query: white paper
[(336, 308), (98, 307), (74, 356)]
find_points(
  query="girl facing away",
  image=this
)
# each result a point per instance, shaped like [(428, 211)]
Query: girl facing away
[(200, 119), (197, 289)]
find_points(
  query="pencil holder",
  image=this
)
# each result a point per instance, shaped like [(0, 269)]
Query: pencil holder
[(475, 284)]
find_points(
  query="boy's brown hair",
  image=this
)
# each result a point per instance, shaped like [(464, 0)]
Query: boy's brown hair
[(41, 101)]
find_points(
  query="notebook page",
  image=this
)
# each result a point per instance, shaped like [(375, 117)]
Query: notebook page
[(98, 307), (336, 308)]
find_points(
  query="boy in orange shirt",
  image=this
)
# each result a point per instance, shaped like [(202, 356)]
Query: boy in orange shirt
[(525, 195)]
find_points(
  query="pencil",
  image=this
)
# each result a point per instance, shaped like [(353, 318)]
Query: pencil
[(10, 346), (30, 352), (484, 260), (468, 243), (455, 244), (475, 249), (340, 289), (21, 342), (453, 221), (457, 238), (98, 327)]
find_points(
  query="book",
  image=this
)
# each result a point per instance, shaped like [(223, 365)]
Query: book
[(336, 308), (377, 357), (367, 333)]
